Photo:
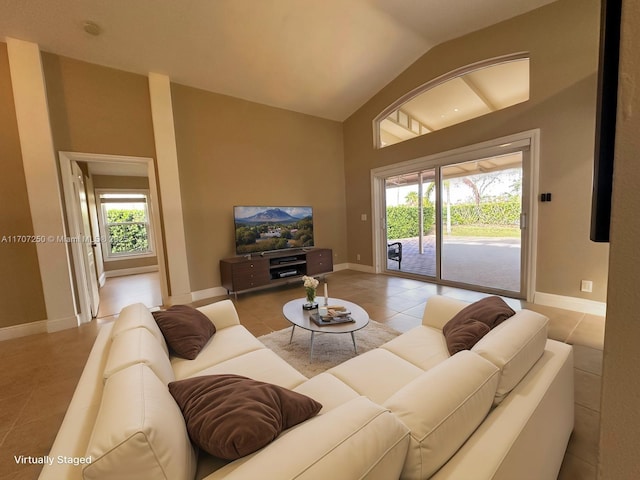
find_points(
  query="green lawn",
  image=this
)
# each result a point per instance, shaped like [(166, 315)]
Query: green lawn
[(485, 231)]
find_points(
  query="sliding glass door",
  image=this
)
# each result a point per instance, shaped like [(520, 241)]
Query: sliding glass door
[(481, 235), (411, 223), (459, 223)]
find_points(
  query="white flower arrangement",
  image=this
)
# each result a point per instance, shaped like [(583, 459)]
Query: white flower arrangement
[(310, 285), (310, 282)]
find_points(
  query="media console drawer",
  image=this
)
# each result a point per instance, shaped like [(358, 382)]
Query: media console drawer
[(240, 274), (250, 274), (319, 261)]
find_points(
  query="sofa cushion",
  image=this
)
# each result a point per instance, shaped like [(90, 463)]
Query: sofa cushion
[(440, 309), (223, 314), (490, 310), (185, 329), (465, 335), (358, 439), (263, 365), (139, 431), (442, 408), (514, 347), (138, 346), (136, 316), (231, 416), (364, 373), (328, 390), (227, 343), (422, 346)]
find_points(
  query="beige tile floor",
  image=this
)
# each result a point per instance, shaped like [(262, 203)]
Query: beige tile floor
[(40, 372)]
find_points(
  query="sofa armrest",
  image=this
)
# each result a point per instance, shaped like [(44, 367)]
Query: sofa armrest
[(439, 310), (223, 314), (525, 437), (358, 439), (74, 433)]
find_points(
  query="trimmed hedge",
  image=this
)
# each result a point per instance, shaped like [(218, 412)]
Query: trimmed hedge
[(489, 213), (127, 237), (402, 220)]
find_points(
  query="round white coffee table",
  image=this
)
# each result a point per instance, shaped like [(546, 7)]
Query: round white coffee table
[(301, 318)]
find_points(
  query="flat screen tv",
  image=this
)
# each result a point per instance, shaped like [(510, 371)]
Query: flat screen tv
[(264, 229), (606, 109)]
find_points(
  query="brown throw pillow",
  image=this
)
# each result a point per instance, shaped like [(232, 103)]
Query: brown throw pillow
[(462, 332), (490, 310), (465, 335), (230, 416), (185, 329)]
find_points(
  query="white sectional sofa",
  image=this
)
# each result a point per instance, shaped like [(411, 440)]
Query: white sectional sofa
[(502, 410)]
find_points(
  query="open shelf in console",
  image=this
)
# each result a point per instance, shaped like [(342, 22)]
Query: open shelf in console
[(287, 267)]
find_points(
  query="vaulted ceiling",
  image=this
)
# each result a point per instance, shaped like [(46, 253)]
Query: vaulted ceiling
[(319, 57)]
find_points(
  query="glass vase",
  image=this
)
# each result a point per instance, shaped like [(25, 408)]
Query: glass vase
[(311, 296)]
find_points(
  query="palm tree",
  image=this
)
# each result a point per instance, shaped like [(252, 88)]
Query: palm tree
[(411, 199), (430, 189)]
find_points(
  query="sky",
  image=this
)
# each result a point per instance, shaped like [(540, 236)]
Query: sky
[(459, 192)]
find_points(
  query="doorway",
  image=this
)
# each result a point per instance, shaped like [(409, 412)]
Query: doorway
[(464, 218), (94, 262)]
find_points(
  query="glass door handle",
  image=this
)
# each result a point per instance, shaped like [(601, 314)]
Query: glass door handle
[(523, 221)]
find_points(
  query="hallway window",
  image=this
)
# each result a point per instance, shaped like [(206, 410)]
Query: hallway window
[(125, 223), (455, 97)]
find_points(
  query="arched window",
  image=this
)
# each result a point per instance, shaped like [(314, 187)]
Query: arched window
[(455, 97)]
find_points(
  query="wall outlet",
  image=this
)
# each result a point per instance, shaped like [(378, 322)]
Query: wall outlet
[(586, 286), (358, 257), (363, 217)]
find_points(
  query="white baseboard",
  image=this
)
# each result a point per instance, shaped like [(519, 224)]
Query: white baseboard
[(22, 330), (181, 299), (40, 326), (570, 303), (208, 293), (340, 266), (131, 271), (361, 268), (62, 324)]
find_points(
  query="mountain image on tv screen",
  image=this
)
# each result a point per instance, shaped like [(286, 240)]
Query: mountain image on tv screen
[(261, 229)]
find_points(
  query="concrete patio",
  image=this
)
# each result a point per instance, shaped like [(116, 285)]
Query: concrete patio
[(492, 262)]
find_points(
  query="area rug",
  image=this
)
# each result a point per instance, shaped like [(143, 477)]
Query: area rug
[(329, 349)]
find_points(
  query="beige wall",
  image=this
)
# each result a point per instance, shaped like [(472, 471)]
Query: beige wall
[(620, 413), (124, 182), (21, 295), (234, 152), (96, 109), (124, 264), (562, 39), (120, 181)]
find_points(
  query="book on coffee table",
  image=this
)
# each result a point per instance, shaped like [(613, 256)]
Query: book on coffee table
[(330, 320)]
